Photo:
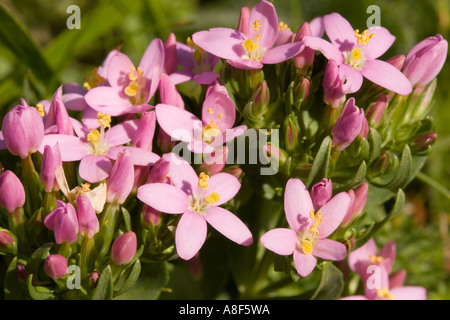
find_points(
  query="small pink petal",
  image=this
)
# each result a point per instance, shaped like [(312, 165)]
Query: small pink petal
[(222, 42), (330, 250), (94, 168), (205, 77), (218, 104), (121, 133), (357, 258), (281, 241), (176, 122), (330, 51), (387, 76), (265, 12), (225, 184), (190, 234), (304, 263), (409, 293), (117, 70), (182, 175), (351, 78), (381, 41), (139, 157), (333, 212), (108, 100), (163, 197), (229, 225), (71, 147), (339, 31), (245, 64), (297, 204), (282, 53)]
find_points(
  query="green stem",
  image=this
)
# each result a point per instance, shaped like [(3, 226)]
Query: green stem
[(433, 183), (87, 257), (108, 225), (32, 185)]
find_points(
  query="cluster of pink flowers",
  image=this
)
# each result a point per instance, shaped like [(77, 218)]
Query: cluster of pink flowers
[(115, 140)]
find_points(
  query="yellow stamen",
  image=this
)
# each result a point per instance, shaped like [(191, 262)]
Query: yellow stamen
[(85, 187), (93, 81), (356, 54), (210, 132), (190, 43), (256, 25), (203, 180), (210, 111), (283, 26), (40, 110), (256, 37), (317, 218), (307, 246), (250, 45), (104, 119), (384, 293), (376, 259), (364, 37), (219, 116), (93, 136), (212, 198)]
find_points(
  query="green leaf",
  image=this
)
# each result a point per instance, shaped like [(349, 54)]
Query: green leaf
[(331, 283), (131, 280), (38, 257), (320, 165), (374, 139), (126, 219), (39, 292), (16, 38), (14, 289), (104, 289)]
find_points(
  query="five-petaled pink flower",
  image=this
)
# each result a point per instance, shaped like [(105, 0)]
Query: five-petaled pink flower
[(197, 198), (356, 54), (252, 47), (307, 237), (215, 128), (129, 88)]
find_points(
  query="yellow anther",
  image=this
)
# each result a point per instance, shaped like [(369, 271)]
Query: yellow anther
[(356, 54), (219, 116), (104, 119), (375, 259), (85, 187), (250, 45), (256, 25), (317, 219), (210, 111), (283, 26), (190, 43), (212, 198), (93, 81), (364, 37), (132, 89), (93, 136), (256, 37), (40, 109), (203, 180), (384, 293), (307, 246), (210, 132)]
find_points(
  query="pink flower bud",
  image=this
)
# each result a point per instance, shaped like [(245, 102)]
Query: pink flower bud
[(57, 119), (51, 159), (244, 20), (237, 172), (55, 266), (121, 179), (23, 130), (150, 215), (376, 111), (143, 138), (170, 54), (214, 162), (63, 221), (305, 58), (397, 61), (425, 60), (321, 193), (334, 94), (12, 192), (124, 248), (169, 93), (348, 125), (358, 198), (364, 128), (88, 224), (8, 243)]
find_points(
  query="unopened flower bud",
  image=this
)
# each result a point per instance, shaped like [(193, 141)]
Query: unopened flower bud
[(121, 179), (397, 61), (275, 154), (8, 242), (244, 20), (424, 141), (170, 54), (64, 223), (425, 60), (51, 159), (358, 198), (143, 138), (334, 94), (375, 112), (93, 278), (321, 193), (303, 89), (57, 119), (12, 192), (124, 248), (292, 133), (348, 125), (88, 224), (237, 172), (55, 266), (305, 58), (23, 130)]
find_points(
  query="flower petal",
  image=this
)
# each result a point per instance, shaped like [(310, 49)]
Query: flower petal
[(117, 70), (330, 250), (357, 257), (94, 168), (225, 184), (222, 42), (330, 51), (218, 105), (205, 77), (121, 133), (176, 122), (387, 76), (351, 78), (333, 212), (264, 11), (409, 293), (381, 41), (297, 204), (282, 53), (229, 225), (245, 64), (71, 147), (339, 31), (190, 234), (281, 241), (182, 175), (152, 63), (107, 100), (163, 197), (139, 157), (304, 263)]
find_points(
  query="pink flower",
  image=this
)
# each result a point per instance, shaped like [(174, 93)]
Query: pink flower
[(96, 147), (215, 128), (120, 181), (130, 88), (197, 198), (425, 60), (12, 192), (348, 125), (321, 193), (51, 159), (64, 222), (55, 266), (307, 237), (356, 54), (57, 119), (252, 47), (124, 248), (23, 130), (88, 224)]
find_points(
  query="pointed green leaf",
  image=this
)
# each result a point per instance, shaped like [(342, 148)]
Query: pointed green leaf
[(320, 166), (104, 289), (331, 283), (39, 292)]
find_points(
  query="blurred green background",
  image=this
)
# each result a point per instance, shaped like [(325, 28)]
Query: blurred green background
[(38, 53)]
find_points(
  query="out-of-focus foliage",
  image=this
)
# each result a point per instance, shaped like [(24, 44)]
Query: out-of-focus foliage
[(38, 53)]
